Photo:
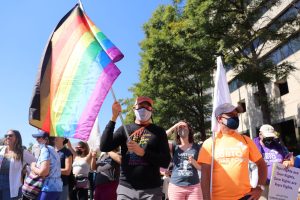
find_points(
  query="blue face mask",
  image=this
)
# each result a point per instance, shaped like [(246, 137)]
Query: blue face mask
[(232, 122)]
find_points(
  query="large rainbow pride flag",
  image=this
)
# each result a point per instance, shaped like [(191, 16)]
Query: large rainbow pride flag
[(74, 77)]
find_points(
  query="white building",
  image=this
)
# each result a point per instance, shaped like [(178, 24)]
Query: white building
[(284, 93)]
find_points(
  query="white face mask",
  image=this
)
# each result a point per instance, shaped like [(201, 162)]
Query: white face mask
[(183, 132), (41, 145), (142, 114)]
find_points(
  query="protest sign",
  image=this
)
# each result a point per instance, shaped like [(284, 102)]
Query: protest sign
[(285, 183)]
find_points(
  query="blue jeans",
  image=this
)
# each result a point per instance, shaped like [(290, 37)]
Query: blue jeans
[(5, 195), (49, 195)]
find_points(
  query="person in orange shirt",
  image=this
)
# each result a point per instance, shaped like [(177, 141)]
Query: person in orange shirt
[(232, 153)]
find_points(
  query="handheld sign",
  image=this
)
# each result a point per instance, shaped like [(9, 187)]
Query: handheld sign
[(285, 183)]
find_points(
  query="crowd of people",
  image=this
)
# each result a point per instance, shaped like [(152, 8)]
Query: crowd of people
[(137, 161)]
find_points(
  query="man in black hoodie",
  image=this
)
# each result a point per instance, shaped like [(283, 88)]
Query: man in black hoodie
[(143, 153)]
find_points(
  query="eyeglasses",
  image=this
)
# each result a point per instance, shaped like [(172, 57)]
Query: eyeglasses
[(9, 135)]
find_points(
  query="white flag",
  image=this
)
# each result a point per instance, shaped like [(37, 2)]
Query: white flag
[(94, 139), (221, 92)]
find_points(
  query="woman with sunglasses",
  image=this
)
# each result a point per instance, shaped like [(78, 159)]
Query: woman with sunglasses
[(81, 169), (184, 182), (13, 158)]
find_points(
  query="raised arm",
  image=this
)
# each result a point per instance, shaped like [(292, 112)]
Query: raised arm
[(109, 139), (93, 160), (174, 127), (69, 146)]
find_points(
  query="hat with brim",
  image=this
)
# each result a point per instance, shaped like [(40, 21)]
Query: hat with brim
[(267, 131), (225, 108), (41, 134), (142, 99)]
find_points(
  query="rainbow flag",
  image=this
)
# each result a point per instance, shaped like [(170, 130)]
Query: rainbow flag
[(74, 77)]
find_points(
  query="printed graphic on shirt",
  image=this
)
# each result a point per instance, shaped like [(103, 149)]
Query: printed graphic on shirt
[(185, 168), (141, 137), (226, 155), (273, 156)]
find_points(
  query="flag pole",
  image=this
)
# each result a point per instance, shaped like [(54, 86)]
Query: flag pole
[(212, 163), (120, 114), (111, 89), (81, 5), (221, 95)]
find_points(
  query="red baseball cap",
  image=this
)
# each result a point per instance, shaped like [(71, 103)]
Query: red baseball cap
[(143, 99)]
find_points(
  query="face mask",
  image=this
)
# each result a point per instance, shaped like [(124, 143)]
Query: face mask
[(183, 132), (142, 114), (270, 142), (41, 145), (78, 152), (232, 122)]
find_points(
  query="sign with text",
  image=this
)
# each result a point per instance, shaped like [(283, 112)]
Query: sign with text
[(285, 183)]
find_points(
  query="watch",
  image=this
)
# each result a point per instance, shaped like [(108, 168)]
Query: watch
[(262, 187)]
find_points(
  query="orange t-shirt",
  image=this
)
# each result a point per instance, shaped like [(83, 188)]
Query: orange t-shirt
[(230, 173)]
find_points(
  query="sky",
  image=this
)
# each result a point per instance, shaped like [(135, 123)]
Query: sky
[(25, 29)]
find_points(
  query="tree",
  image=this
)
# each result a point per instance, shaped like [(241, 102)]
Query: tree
[(30, 147), (243, 33), (176, 67)]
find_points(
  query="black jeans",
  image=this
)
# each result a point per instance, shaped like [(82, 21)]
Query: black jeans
[(80, 194)]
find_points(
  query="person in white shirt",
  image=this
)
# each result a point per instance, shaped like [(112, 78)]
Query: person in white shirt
[(13, 158)]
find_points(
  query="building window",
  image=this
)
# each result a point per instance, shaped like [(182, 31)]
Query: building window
[(289, 48), (242, 104), (235, 84), (283, 87), (256, 99)]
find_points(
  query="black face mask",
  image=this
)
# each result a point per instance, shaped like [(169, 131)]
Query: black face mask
[(270, 142), (79, 152)]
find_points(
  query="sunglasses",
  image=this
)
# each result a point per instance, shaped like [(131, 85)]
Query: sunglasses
[(78, 147), (147, 107), (9, 135)]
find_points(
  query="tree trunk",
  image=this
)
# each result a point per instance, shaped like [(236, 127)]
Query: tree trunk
[(202, 128), (264, 103)]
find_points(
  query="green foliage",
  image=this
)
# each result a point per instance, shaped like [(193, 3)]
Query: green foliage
[(179, 50), (30, 147), (176, 67)]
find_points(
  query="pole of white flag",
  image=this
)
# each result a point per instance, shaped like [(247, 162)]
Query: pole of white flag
[(212, 163), (221, 95), (120, 114)]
